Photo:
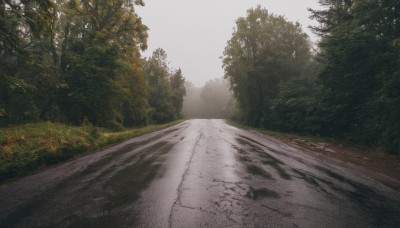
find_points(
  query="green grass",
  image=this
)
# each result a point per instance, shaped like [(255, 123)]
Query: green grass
[(28, 148)]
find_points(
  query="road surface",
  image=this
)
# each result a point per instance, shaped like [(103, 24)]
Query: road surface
[(200, 173)]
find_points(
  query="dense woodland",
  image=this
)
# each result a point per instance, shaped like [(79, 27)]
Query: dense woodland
[(347, 87), (79, 61)]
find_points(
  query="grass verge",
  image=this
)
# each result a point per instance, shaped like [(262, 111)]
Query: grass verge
[(25, 149)]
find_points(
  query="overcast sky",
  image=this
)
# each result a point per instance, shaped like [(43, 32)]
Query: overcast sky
[(194, 33)]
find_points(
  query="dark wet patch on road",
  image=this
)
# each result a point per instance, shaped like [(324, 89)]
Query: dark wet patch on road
[(123, 150), (245, 159), (125, 186), (145, 152), (354, 191), (262, 193), (281, 172), (332, 184), (270, 149), (262, 156), (285, 214), (310, 179), (333, 175), (94, 169), (128, 179), (240, 150), (132, 146), (104, 221), (371, 201), (169, 131), (255, 170), (247, 140)]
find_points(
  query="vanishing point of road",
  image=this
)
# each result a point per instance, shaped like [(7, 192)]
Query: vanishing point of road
[(200, 173)]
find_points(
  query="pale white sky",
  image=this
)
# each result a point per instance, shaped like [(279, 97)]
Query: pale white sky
[(194, 33)]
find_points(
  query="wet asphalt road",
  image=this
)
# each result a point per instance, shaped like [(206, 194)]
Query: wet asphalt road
[(201, 173)]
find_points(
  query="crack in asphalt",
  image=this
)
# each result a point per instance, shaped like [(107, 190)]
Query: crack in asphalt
[(197, 208), (228, 214), (179, 189), (232, 198), (214, 177)]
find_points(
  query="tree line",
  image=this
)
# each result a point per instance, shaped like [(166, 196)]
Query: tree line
[(347, 87), (80, 61)]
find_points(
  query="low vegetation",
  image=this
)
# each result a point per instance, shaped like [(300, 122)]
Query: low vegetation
[(24, 149)]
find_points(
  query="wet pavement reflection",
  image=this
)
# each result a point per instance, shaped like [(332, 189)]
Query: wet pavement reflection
[(201, 173)]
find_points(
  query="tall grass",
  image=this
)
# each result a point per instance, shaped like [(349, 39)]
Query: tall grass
[(24, 149)]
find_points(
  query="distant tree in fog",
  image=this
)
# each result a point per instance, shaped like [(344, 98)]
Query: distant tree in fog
[(213, 100), (192, 103), (216, 96)]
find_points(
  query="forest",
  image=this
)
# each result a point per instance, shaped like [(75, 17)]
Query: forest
[(79, 61), (346, 87)]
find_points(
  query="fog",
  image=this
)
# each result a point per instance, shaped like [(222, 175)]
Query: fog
[(195, 33), (212, 101)]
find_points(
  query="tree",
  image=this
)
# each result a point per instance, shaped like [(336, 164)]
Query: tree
[(264, 50), (24, 69), (177, 82), (166, 88), (296, 107), (100, 51), (79, 60), (217, 99), (359, 57)]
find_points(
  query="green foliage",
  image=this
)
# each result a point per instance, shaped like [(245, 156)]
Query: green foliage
[(177, 82), (295, 108), (77, 60), (351, 88), (166, 88), (264, 50), (24, 69), (100, 62), (359, 76)]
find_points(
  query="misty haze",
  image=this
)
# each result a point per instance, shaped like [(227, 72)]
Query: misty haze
[(228, 113)]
